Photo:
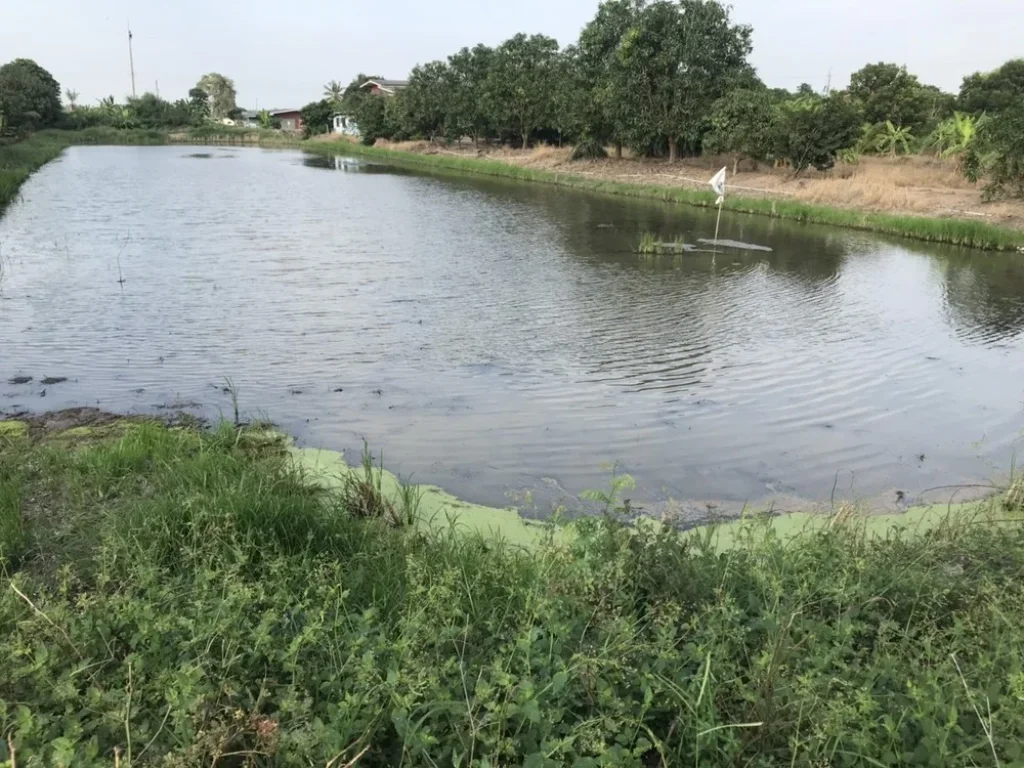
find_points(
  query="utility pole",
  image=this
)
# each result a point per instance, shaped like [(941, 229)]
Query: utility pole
[(828, 85), (158, 89), (131, 58)]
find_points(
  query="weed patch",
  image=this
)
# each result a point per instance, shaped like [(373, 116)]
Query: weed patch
[(190, 598)]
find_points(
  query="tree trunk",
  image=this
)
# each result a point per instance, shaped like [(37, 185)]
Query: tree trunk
[(735, 164), (526, 136), (618, 150), (673, 149)]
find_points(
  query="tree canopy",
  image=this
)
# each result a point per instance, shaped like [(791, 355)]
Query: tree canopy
[(993, 91), (29, 96), (885, 91), (676, 60), (221, 92)]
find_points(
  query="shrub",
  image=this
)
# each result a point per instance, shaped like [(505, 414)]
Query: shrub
[(812, 131)]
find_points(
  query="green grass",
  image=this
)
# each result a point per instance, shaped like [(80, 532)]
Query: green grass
[(187, 598), (20, 159), (650, 246), (973, 234)]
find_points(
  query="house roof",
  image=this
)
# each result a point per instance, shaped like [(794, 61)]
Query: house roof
[(276, 112), (389, 86)]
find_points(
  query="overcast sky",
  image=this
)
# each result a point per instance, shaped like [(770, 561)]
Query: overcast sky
[(280, 53)]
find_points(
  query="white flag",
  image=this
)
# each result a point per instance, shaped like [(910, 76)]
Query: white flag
[(718, 184)]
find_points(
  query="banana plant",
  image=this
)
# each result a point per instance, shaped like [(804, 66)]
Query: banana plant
[(894, 139), (264, 117), (125, 117), (957, 134)]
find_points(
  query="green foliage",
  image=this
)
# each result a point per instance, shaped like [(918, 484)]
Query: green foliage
[(894, 139), (187, 599), (603, 106), (1003, 138), (887, 92), (467, 114), (221, 93), (334, 92), (519, 84), (743, 123), (316, 118), (29, 96), (675, 61), (153, 112), (427, 99), (812, 131), (955, 135), (381, 117), (993, 92)]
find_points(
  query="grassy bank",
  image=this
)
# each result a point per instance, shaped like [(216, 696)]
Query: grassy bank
[(174, 597), (19, 160), (964, 232)]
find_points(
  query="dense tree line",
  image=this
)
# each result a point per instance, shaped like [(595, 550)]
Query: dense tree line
[(671, 79), (30, 99)]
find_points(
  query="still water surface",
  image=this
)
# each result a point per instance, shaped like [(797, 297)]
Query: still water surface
[(492, 337)]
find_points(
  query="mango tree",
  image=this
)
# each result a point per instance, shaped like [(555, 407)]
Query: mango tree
[(676, 60)]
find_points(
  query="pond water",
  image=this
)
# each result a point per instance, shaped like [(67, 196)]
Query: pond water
[(495, 337)]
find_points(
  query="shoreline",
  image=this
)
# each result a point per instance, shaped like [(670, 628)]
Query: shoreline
[(19, 160), (326, 468), (951, 231)]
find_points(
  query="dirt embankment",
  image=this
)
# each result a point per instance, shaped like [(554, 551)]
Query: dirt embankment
[(911, 185)]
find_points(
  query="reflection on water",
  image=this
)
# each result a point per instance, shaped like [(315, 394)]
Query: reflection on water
[(492, 336)]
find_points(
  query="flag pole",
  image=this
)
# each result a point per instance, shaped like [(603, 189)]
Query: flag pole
[(717, 222), (718, 184)]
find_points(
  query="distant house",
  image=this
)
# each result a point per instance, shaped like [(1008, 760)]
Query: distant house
[(249, 117), (385, 87), (345, 125), (291, 119)]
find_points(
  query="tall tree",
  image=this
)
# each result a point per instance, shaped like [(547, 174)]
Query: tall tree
[(743, 124), (72, 97), (885, 91), (221, 91), (993, 91), (1003, 139), (199, 104), (354, 93), (428, 99), (468, 70), (29, 96), (604, 112), (316, 117), (519, 84), (678, 59)]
